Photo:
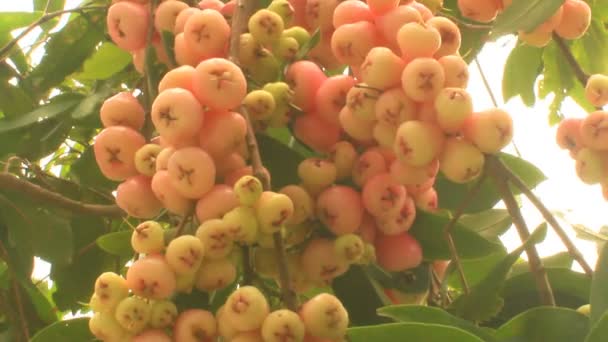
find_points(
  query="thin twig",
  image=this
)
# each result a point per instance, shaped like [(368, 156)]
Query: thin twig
[(578, 70), (447, 231), (248, 273), (244, 9), (151, 88), (550, 218), (47, 17), (536, 266), (40, 194)]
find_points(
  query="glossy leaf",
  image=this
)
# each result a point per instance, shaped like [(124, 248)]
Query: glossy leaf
[(398, 332), (490, 223), (118, 243), (599, 295), (524, 15), (558, 260), (599, 331), (107, 60), (451, 194), (49, 111), (475, 270), (13, 20), (72, 330), (483, 302), (280, 160), (428, 230), (544, 324), (427, 314), (521, 71)]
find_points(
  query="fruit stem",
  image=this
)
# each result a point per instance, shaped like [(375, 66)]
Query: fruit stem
[(150, 86), (40, 194), (447, 231), (243, 11), (550, 218), (536, 266)]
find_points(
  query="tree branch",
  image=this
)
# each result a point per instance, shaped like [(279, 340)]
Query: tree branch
[(536, 266), (578, 70), (150, 86), (574, 252), (244, 9), (47, 17), (40, 194), (447, 231)]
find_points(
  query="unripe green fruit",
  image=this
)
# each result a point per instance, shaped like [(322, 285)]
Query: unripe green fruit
[(243, 224), (110, 289), (162, 314), (260, 104), (283, 326), (299, 33), (284, 9), (286, 48), (105, 327), (272, 211), (250, 50), (369, 254), (283, 95), (184, 254), (246, 308), (324, 316), (145, 159), (248, 190), (133, 314), (349, 248), (266, 26), (148, 238)]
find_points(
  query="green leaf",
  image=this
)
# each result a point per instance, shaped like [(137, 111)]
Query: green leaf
[(13, 20), (428, 230), (427, 314), (559, 260), (524, 15), (118, 243), (599, 331), (543, 324), (521, 71), (570, 289), (45, 112), (361, 309), (280, 160), (91, 104), (86, 172), (35, 226), (599, 296), (451, 194), (72, 330), (44, 309), (66, 51), (483, 301), (476, 270), (53, 5), (107, 60), (596, 40), (14, 100), (399, 332), (490, 223)]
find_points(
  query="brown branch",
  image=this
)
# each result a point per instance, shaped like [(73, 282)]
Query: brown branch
[(150, 86), (578, 70), (40, 194), (536, 266), (244, 9), (447, 231), (47, 17), (550, 218)]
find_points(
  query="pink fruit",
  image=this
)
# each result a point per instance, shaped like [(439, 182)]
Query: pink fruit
[(396, 253), (390, 23), (380, 7), (180, 77), (219, 84), (305, 78), (215, 203), (128, 25), (351, 11), (315, 132), (151, 277), (163, 189), (115, 149), (331, 97), (350, 43), (207, 33), (398, 222), (423, 79), (320, 261), (394, 107), (340, 208), (222, 133), (382, 195), (195, 325), (136, 198), (177, 115), (166, 14), (192, 172), (369, 164), (122, 109)]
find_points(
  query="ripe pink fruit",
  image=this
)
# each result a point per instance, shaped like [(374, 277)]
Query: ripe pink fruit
[(320, 262), (382, 195), (423, 79), (552, 22), (456, 71), (177, 115), (180, 77), (340, 208), (380, 7), (411, 175), (568, 135), (192, 172), (490, 130), (461, 161), (418, 143), (576, 19), (315, 132), (478, 10), (215, 5), (207, 33), (222, 133), (115, 149), (122, 109), (331, 96), (450, 36), (351, 11), (162, 159), (136, 198), (195, 325), (151, 277), (216, 203), (305, 78), (396, 253), (594, 130), (227, 164), (350, 43), (390, 23), (167, 194), (369, 164), (394, 107), (182, 18), (128, 25), (184, 55), (398, 222), (219, 84), (418, 40), (427, 200)]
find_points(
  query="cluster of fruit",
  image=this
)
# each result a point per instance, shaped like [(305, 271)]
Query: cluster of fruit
[(570, 21), (138, 307), (587, 138)]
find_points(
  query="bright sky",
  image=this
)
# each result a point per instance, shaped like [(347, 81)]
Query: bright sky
[(563, 191)]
